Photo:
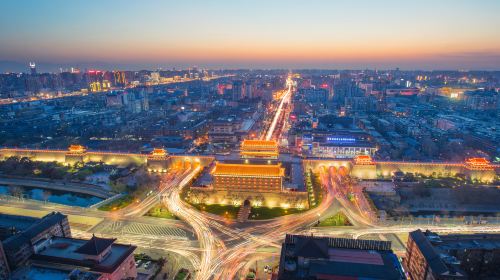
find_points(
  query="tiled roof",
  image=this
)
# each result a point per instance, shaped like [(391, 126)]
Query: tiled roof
[(18, 240), (249, 169), (95, 246), (259, 143)]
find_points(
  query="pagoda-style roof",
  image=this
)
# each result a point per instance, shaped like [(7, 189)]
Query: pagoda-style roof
[(259, 149), (259, 144), (95, 246), (363, 160), (249, 169), (159, 152), (76, 149), (478, 164)]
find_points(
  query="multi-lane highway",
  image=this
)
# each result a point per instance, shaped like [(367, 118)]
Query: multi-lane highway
[(218, 249), (227, 249), (279, 111)]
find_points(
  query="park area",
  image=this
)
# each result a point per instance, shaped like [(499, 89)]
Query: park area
[(226, 211), (160, 211), (265, 213), (339, 219)]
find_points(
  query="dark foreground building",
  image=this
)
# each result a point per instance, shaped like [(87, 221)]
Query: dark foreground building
[(32, 248), (325, 258), (450, 257)]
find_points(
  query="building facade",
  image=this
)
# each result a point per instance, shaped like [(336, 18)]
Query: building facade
[(259, 149), (456, 256), (248, 177), (312, 257), (20, 247)]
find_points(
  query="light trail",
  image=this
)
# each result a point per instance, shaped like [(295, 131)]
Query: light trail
[(277, 115)]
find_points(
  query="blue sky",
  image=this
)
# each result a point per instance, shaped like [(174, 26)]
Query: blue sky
[(439, 34)]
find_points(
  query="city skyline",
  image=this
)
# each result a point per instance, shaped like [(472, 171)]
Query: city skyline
[(250, 139), (237, 34)]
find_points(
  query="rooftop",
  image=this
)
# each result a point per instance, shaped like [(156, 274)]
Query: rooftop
[(248, 169), (259, 143), (340, 258), (68, 251), (14, 242), (95, 246), (19, 223), (35, 272)]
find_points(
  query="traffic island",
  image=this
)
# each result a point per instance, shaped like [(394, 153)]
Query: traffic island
[(160, 211), (339, 219), (266, 213), (226, 211)]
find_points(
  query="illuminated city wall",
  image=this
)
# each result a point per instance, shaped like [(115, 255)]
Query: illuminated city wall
[(386, 169), (364, 171), (266, 199), (316, 164), (66, 158), (119, 159), (39, 155), (116, 158), (191, 160)]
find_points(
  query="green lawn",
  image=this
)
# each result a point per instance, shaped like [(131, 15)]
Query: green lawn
[(314, 189), (338, 219), (228, 211), (160, 211), (181, 275), (117, 203), (265, 213)]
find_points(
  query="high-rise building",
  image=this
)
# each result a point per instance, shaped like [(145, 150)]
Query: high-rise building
[(238, 90), (32, 68), (249, 89), (120, 79)]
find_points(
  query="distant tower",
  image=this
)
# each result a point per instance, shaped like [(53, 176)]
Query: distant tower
[(238, 90), (32, 68)]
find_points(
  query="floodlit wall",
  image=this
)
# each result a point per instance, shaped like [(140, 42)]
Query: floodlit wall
[(316, 164), (39, 155), (386, 169), (266, 199), (116, 158), (364, 171)]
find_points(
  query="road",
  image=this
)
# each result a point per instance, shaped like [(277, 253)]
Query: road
[(216, 248), (285, 99), (57, 185), (228, 249)]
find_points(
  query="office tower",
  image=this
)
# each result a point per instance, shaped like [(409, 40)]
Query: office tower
[(32, 68)]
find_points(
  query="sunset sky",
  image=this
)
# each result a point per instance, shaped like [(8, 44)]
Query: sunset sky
[(437, 34)]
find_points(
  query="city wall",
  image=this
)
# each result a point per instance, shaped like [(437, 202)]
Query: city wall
[(387, 169), (111, 158), (62, 156), (206, 195), (382, 169)]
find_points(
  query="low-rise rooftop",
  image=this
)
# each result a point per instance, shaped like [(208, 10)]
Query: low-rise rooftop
[(66, 251)]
